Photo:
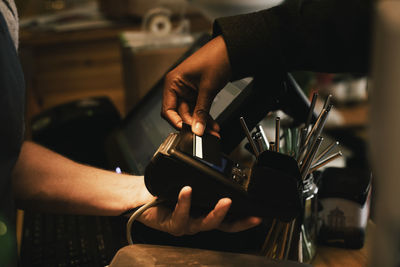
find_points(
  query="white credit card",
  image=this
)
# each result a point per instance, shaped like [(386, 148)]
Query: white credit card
[(198, 146)]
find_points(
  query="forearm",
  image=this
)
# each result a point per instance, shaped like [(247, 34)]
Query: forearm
[(46, 181), (314, 35)]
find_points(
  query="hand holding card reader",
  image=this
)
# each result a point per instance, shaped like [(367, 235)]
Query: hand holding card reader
[(270, 189)]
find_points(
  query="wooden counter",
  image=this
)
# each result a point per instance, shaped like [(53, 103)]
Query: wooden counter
[(340, 257)]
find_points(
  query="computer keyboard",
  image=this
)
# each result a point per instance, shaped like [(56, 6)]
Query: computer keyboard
[(70, 240)]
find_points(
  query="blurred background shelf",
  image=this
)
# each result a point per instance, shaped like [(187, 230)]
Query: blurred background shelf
[(63, 63)]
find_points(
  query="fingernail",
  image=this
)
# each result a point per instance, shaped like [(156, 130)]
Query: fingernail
[(198, 128), (185, 193), (226, 201), (187, 189), (256, 220)]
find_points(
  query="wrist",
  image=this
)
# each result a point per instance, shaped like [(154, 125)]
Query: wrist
[(137, 195), (219, 58)]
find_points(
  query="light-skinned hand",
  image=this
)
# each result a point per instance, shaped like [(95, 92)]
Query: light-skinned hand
[(179, 222)]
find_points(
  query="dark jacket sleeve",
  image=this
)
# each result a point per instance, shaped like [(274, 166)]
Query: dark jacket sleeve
[(312, 35)]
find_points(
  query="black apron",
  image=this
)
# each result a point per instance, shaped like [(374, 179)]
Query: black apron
[(12, 102)]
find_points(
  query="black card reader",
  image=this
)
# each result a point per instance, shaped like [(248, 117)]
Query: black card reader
[(185, 159)]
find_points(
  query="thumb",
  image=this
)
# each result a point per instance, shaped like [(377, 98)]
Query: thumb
[(201, 111)]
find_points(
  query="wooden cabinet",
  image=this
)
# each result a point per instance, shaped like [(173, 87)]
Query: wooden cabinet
[(61, 67)]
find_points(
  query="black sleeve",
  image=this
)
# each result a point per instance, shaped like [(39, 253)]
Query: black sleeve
[(313, 35)]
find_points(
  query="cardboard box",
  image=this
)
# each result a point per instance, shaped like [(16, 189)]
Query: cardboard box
[(146, 59)]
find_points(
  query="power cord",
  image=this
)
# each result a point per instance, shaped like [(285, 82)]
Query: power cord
[(136, 214)]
